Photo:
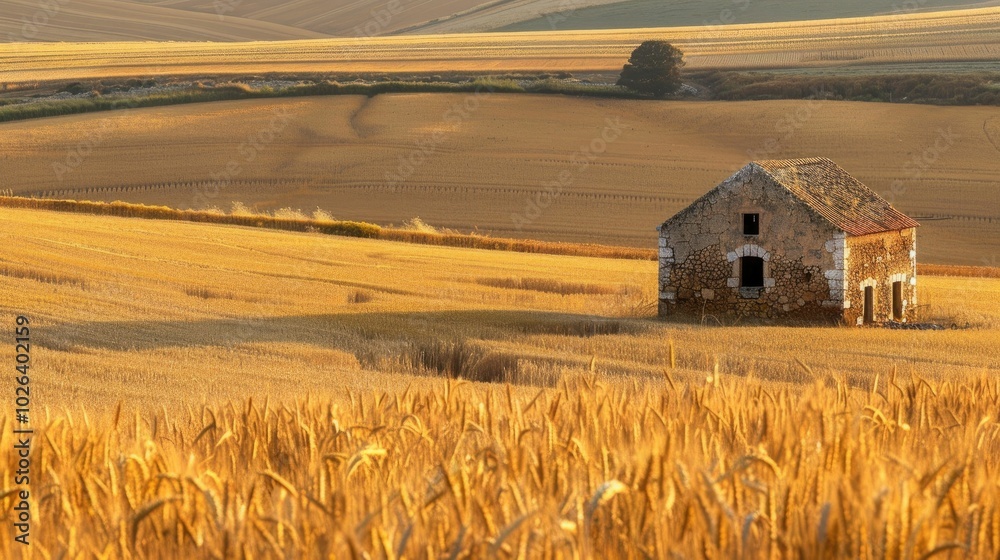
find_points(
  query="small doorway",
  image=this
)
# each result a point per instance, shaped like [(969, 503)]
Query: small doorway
[(897, 301), (751, 272), (869, 304)]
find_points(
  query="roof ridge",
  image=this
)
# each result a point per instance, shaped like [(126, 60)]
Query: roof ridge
[(790, 160), (837, 195), (827, 190)]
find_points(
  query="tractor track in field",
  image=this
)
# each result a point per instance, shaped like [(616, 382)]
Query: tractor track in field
[(353, 120), (991, 128)]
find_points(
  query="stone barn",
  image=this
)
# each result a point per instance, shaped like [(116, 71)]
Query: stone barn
[(790, 238)]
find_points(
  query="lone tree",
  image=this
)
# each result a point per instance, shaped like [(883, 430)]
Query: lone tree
[(654, 68)]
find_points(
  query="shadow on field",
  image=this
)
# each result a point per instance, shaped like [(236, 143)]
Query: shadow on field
[(457, 344), (480, 345), (345, 331)]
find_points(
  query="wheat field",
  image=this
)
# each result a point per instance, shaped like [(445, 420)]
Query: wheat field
[(590, 469), (201, 390), (230, 392), (394, 157), (115, 297), (948, 36)]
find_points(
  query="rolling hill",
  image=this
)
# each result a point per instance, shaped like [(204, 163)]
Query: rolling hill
[(485, 161), (122, 20), (268, 20)]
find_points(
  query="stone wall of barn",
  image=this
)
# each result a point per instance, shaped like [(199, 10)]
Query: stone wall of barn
[(879, 260), (700, 251)]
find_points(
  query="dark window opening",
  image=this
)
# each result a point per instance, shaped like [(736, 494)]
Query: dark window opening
[(751, 272), (751, 224), (897, 301), (807, 277), (869, 314)]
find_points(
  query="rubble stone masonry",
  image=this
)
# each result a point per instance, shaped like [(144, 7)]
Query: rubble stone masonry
[(701, 251), (879, 260)]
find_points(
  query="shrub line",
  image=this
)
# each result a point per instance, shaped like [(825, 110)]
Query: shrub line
[(724, 85), (335, 227), (346, 228), (236, 92)]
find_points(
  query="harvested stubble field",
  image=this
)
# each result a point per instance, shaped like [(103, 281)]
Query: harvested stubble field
[(955, 36), (482, 161), (623, 437)]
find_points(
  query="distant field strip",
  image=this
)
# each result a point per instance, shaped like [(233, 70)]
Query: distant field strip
[(960, 35), (651, 13)]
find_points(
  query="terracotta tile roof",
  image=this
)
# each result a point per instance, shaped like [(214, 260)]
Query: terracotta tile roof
[(836, 195)]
